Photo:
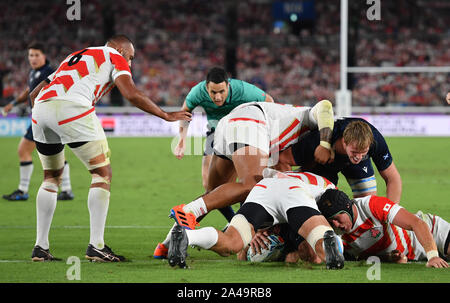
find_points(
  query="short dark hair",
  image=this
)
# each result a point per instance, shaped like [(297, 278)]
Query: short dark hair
[(119, 39), (37, 45), (217, 75)]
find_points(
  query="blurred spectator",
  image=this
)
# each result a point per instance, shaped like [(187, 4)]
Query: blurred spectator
[(178, 41)]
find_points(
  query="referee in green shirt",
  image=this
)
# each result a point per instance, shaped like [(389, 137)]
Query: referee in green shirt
[(218, 95)]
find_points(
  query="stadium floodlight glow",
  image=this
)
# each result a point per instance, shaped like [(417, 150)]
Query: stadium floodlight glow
[(293, 17)]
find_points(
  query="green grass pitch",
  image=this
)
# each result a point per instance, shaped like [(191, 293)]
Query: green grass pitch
[(148, 180)]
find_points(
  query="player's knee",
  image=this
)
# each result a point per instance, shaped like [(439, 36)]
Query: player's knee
[(244, 230), (50, 185), (315, 236), (101, 179)]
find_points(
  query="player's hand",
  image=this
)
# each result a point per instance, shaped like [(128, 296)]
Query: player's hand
[(437, 262), (260, 241), (7, 109), (181, 115), (179, 149), (323, 155)]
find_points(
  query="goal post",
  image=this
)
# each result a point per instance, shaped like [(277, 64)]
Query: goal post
[(344, 95)]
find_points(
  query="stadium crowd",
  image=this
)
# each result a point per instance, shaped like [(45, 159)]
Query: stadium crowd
[(179, 41)]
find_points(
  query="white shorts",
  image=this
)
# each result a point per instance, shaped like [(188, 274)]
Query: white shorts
[(57, 121), (277, 196), (245, 126)]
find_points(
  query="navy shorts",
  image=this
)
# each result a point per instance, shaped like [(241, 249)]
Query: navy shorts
[(29, 134)]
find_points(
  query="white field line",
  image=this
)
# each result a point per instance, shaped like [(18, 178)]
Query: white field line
[(87, 227)]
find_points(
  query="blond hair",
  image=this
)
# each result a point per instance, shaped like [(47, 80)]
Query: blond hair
[(359, 133)]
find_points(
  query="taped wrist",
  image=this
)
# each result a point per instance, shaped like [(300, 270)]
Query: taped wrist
[(323, 114), (431, 254)]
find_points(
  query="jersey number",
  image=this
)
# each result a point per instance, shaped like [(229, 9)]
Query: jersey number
[(76, 58)]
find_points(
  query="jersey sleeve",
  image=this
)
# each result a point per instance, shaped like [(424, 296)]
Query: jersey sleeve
[(383, 209), (381, 155), (120, 66), (194, 96), (251, 92)]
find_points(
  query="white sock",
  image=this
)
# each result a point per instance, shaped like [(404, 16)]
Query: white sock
[(205, 237), (167, 239), (197, 207), (65, 182), (98, 202), (45, 208), (25, 169)]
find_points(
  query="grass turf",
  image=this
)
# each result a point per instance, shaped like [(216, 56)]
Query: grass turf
[(148, 180)]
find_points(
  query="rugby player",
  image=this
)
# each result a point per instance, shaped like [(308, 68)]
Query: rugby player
[(355, 143), (376, 226), (246, 141), (64, 113), (218, 95), (281, 198), (40, 70)]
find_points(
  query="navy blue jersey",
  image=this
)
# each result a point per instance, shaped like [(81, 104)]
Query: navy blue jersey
[(36, 76), (303, 153)]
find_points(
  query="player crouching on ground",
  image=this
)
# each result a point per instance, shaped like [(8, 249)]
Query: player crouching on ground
[(281, 198), (376, 226)]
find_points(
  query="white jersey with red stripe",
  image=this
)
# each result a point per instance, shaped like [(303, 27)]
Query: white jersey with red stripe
[(316, 184), (279, 192), (85, 76), (270, 127), (285, 122), (374, 233)]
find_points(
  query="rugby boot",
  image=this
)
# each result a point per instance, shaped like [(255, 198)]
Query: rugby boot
[(160, 251), (66, 195), (102, 255), (16, 195), (333, 250), (178, 247), (186, 220), (40, 254)]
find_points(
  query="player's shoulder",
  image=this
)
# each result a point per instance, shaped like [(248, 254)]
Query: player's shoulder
[(379, 207), (198, 91), (197, 95)]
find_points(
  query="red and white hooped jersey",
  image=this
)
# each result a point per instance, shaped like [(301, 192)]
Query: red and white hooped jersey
[(374, 234), (85, 76)]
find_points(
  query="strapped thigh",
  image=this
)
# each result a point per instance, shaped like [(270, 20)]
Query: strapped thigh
[(93, 154), (51, 155)]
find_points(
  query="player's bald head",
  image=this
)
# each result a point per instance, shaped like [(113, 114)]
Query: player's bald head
[(123, 45), (119, 39)]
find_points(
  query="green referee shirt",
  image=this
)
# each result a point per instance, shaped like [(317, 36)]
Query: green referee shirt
[(238, 93)]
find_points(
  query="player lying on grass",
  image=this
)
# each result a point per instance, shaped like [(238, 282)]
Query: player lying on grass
[(244, 140), (376, 226), (279, 198)]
